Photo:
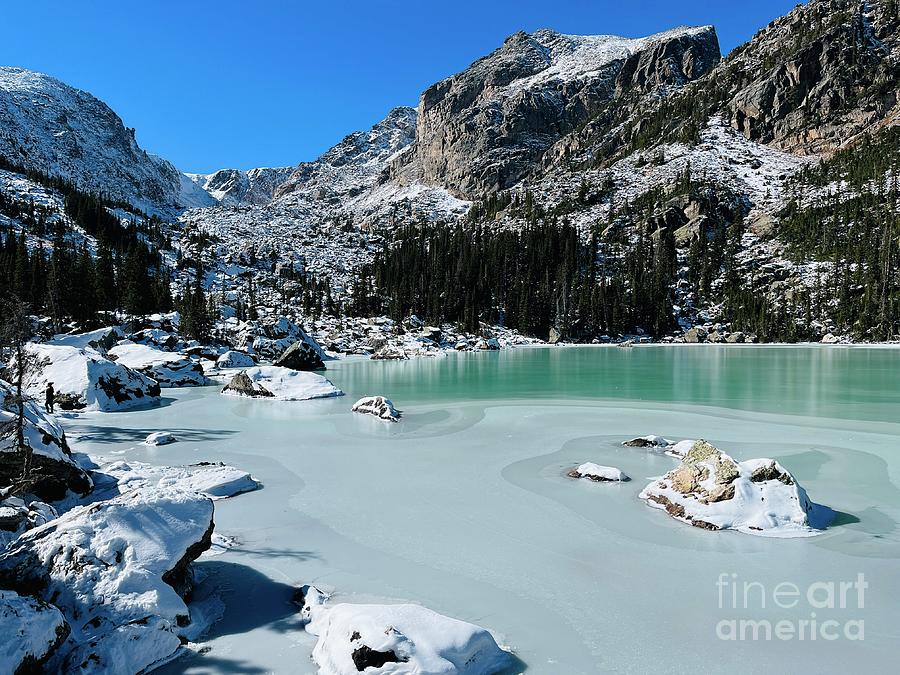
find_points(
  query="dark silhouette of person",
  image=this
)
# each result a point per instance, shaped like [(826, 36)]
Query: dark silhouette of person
[(48, 397)]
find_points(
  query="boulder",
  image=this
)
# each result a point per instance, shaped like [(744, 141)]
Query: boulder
[(32, 632), (169, 369), (118, 571), (598, 473), (673, 449), (282, 384), (85, 380), (235, 359), (390, 353), (696, 334), (302, 355), (489, 344), (353, 638), (712, 491), (160, 438), (54, 471), (648, 442), (378, 406), (18, 516)]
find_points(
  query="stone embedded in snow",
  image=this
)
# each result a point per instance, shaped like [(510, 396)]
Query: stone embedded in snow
[(160, 438), (32, 630), (280, 384), (598, 473), (169, 369), (213, 479), (648, 442), (235, 359), (377, 406), (51, 459), (396, 639), (711, 490), (118, 571), (84, 380)]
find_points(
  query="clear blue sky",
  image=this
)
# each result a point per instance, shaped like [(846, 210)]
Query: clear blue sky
[(221, 84)]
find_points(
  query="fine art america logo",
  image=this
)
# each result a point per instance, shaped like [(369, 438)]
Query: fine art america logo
[(822, 610)]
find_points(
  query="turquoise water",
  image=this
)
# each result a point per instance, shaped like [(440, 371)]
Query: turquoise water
[(464, 506), (846, 383)]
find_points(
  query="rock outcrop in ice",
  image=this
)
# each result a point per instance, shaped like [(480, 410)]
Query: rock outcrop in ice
[(211, 479), (280, 384), (598, 473), (396, 639), (160, 438), (712, 491), (379, 407)]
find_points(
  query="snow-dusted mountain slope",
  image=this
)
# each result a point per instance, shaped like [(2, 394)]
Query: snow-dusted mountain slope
[(51, 127), (231, 187)]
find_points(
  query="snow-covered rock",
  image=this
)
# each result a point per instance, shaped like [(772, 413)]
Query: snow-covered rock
[(680, 449), (160, 438), (379, 406), (280, 384), (212, 479), (650, 441), (118, 571), (85, 380), (32, 630), (390, 353), (235, 359), (18, 516), (711, 490), (51, 458), (304, 354), (598, 473), (169, 369), (100, 339), (488, 344), (396, 639), (672, 448)]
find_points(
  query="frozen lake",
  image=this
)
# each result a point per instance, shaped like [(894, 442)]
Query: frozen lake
[(464, 506)]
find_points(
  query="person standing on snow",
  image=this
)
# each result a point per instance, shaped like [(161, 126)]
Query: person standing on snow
[(48, 397)]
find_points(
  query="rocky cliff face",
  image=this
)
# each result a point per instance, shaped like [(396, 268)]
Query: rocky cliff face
[(481, 130), (51, 127), (813, 79)]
